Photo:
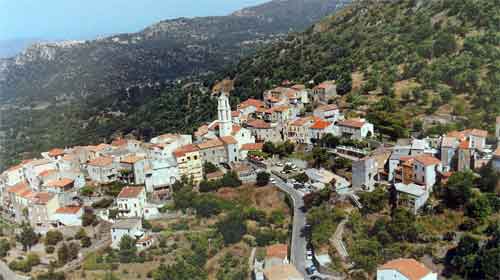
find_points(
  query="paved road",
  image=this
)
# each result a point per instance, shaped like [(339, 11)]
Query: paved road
[(9, 274), (298, 247)]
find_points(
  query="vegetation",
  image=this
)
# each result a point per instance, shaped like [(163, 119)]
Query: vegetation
[(263, 178), (27, 237)]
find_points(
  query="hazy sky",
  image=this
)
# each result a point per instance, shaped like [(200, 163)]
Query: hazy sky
[(77, 19)]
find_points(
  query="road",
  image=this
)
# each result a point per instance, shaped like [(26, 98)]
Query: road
[(298, 247), (9, 274)]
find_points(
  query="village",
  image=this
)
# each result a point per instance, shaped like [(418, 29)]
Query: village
[(116, 186)]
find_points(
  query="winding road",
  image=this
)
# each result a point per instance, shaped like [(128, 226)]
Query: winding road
[(9, 274)]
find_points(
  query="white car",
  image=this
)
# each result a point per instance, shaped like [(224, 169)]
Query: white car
[(272, 180), (279, 164), (309, 255)]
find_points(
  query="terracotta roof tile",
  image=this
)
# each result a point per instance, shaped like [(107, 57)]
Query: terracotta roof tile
[(251, 102), (320, 124), (427, 160), (130, 192), (119, 142), (236, 129), (252, 147), (464, 145), (60, 183), (131, 159), (69, 210), (212, 143), (354, 123), (18, 188), (56, 152), (101, 161), (47, 173), (42, 197), (182, 151), (410, 268), (202, 130), (325, 108), (229, 140), (260, 124), (477, 132)]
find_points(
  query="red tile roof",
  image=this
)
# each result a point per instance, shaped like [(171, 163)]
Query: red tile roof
[(130, 192), (277, 251), (60, 183), (42, 197), (325, 85), (251, 102), (202, 130), (252, 147), (186, 149), (119, 142), (236, 129), (229, 140), (325, 108), (320, 124), (69, 210), (212, 143), (303, 121), (56, 152), (235, 114), (101, 161), (47, 172), (18, 188), (427, 160), (464, 145), (131, 159), (410, 268), (477, 132), (278, 109), (298, 87), (260, 124), (354, 123)]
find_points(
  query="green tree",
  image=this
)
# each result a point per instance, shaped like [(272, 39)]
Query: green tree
[(63, 254), (479, 208), (263, 178), (53, 237), (128, 249), (320, 156), (232, 228), (209, 167), (367, 254), (374, 202), (458, 189), (27, 237), (301, 177), (4, 247)]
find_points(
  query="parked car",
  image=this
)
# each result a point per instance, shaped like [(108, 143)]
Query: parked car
[(279, 164), (309, 255), (272, 180)]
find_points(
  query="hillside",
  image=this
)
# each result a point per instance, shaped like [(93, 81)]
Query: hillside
[(167, 50), (404, 63)]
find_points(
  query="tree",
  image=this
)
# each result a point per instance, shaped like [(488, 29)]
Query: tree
[(367, 254), (330, 141), (263, 178), (63, 255), (53, 237), (458, 189), (489, 178), (269, 148), (375, 201), (463, 257), (87, 191), (230, 179), (89, 218), (232, 227), (479, 208), (301, 177), (4, 247), (27, 237), (209, 167), (402, 226), (320, 156), (128, 249), (207, 206), (445, 43)]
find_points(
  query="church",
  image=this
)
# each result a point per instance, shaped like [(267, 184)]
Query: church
[(223, 132)]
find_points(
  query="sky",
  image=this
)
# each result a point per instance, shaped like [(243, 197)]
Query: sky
[(87, 19)]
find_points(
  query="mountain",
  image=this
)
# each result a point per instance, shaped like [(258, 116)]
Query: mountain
[(404, 64), (12, 47), (167, 50)]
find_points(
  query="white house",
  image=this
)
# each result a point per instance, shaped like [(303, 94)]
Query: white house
[(425, 169), (328, 112), (68, 216), (102, 170), (131, 202), (364, 173), (405, 269), (14, 175), (136, 165), (496, 160), (416, 195), (264, 131), (319, 129), (130, 227), (355, 128)]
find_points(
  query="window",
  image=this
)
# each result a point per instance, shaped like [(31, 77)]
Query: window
[(188, 158), (195, 157)]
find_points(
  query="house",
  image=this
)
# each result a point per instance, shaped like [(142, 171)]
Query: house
[(130, 227), (63, 188), (329, 112), (249, 107), (298, 130), (465, 154), (278, 114), (233, 146), (213, 150), (319, 129), (449, 147), (245, 149), (475, 137), (425, 169), (144, 243), (355, 129), (68, 216), (399, 153), (282, 272), (19, 198), (42, 208), (189, 162), (412, 196), (264, 131), (496, 160), (14, 175), (364, 173), (131, 202), (34, 167), (324, 91), (405, 269), (102, 170), (276, 254), (302, 93), (55, 154), (133, 167)]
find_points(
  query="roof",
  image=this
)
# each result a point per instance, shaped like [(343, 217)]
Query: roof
[(127, 223), (325, 85), (68, 210), (277, 251), (298, 87), (18, 188), (320, 124), (212, 143), (202, 130), (130, 192), (131, 159), (182, 151), (412, 189), (477, 132), (119, 142), (278, 109), (214, 175), (329, 107), (60, 183), (252, 147), (42, 197), (235, 114), (282, 272), (354, 123), (410, 268), (56, 152), (464, 145), (427, 160), (236, 129), (304, 120), (260, 124), (251, 102), (229, 140), (47, 172), (101, 161)]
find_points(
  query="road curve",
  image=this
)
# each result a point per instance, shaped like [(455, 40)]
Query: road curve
[(9, 274)]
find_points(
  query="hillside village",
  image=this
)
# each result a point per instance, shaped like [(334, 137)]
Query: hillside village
[(62, 188)]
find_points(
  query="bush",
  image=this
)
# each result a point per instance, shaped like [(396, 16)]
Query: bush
[(50, 249), (53, 237), (4, 247), (103, 203), (263, 178)]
